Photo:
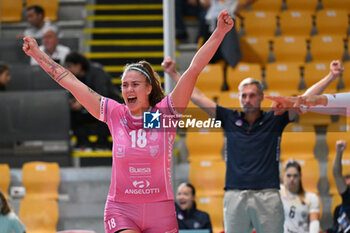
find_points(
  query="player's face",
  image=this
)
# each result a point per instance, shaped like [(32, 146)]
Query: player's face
[(5, 77), (250, 98), (184, 197), (135, 90), (292, 179)]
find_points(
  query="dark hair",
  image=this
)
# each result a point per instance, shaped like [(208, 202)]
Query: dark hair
[(77, 58), (193, 191), (37, 9), (5, 209), (157, 93), (3, 67), (296, 165)]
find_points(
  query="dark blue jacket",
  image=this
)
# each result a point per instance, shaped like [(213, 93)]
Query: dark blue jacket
[(192, 219)]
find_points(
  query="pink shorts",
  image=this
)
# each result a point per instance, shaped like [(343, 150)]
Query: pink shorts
[(153, 217)]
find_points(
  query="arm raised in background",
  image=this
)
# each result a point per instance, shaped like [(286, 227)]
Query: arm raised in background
[(337, 167), (183, 90), (336, 68), (208, 105), (85, 95), (312, 96)]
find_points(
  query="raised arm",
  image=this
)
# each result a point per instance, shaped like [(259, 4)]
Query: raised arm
[(86, 96), (336, 68), (337, 167), (312, 96), (184, 87), (208, 105)]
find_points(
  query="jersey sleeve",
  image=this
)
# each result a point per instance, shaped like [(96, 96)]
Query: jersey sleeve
[(106, 108), (166, 106), (314, 204), (340, 101)]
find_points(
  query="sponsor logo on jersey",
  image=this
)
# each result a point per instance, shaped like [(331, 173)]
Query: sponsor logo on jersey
[(142, 187), (142, 170)]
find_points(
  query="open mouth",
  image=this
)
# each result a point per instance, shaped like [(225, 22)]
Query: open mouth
[(132, 100), (182, 203)]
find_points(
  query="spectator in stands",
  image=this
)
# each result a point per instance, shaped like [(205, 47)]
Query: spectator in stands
[(50, 45), (252, 198), (140, 198), (190, 8), (4, 76), (230, 49), (188, 216), (301, 208), (341, 213), (9, 222), (38, 25), (82, 123), (332, 104)]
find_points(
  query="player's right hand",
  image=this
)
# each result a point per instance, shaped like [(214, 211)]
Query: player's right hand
[(30, 46)]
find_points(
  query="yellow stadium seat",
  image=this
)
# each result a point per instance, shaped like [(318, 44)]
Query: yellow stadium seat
[(298, 145), (282, 78), (327, 48), (290, 48), (41, 180), (207, 175), (214, 206), (332, 22), (332, 138), (295, 23), (11, 11), (266, 104), (50, 7), (211, 78), (309, 5), (5, 179), (255, 49), (310, 174), (314, 119), (297, 127), (336, 4), (212, 139), (267, 5), (315, 71), (260, 23), (39, 215), (340, 126), (229, 100), (243, 70)]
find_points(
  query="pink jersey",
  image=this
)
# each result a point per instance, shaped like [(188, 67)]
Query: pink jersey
[(141, 157)]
